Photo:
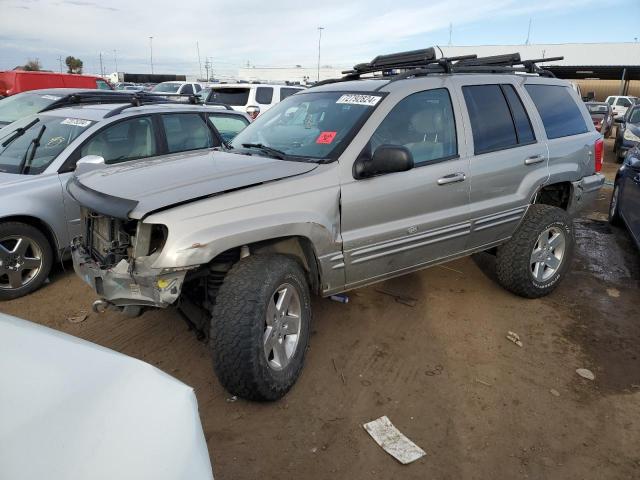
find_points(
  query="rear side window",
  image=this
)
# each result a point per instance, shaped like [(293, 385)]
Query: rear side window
[(610, 100), (237, 97), (287, 92), (228, 126), (498, 119), (560, 114), (623, 102), (264, 95), (186, 131)]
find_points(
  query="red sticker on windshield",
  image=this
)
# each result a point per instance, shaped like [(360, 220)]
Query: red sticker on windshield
[(326, 137)]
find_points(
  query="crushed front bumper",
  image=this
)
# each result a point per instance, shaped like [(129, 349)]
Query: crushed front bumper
[(584, 192), (123, 286)]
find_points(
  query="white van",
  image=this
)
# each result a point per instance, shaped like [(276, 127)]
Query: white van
[(250, 98)]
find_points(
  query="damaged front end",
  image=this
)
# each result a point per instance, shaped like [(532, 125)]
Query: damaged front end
[(116, 258)]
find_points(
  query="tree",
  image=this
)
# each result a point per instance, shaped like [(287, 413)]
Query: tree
[(74, 65), (32, 66)]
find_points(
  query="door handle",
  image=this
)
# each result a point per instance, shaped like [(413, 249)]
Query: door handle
[(534, 159), (452, 178)]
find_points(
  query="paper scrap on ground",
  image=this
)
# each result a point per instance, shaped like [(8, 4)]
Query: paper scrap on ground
[(584, 373), (393, 441), (514, 337)]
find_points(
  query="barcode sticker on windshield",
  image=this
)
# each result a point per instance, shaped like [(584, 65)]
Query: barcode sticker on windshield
[(76, 122), (356, 99)]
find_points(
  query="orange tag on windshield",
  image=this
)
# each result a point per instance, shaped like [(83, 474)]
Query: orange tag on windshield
[(326, 137)]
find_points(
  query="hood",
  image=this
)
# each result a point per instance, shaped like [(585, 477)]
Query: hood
[(133, 190)]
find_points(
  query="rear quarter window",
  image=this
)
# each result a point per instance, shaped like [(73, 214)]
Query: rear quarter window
[(560, 114), (264, 95)]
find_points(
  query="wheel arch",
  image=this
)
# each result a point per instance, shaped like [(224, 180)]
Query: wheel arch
[(556, 194), (41, 225)]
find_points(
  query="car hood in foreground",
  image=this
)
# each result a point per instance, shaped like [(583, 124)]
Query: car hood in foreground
[(136, 189)]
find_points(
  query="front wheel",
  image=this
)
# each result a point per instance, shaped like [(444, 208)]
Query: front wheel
[(25, 259), (260, 327), (614, 207), (534, 260)]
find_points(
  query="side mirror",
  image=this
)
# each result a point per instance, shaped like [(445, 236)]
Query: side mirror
[(89, 163), (386, 159), (633, 161)]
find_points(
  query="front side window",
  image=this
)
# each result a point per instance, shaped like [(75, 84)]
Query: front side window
[(264, 95), (102, 85), (422, 122), (43, 139), (313, 125), (491, 122), (634, 116), (187, 89), (123, 141), (228, 126), (610, 100), (197, 87), (560, 114), (186, 131)]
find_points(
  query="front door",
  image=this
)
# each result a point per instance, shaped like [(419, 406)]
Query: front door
[(397, 222)]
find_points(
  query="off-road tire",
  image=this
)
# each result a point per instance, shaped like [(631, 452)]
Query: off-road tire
[(23, 229), (238, 326), (614, 210), (513, 265)]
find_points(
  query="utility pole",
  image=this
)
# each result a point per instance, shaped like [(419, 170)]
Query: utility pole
[(450, 32), (115, 59), (206, 67), (151, 52), (101, 69), (319, 43), (528, 33), (199, 62), (60, 60)]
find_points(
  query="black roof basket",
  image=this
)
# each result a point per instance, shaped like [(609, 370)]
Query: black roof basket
[(398, 66)]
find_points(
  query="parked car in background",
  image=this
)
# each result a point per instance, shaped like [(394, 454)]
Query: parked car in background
[(627, 132), (602, 116), (625, 201), (17, 106), (177, 88), (18, 81), (251, 98), (346, 184), (620, 104), (39, 153)]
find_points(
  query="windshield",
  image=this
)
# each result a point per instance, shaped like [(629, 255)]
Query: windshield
[(311, 125), (166, 87), (635, 116), (237, 97), (58, 133), (17, 106)]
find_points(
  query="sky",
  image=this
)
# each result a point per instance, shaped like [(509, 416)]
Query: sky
[(231, 33)]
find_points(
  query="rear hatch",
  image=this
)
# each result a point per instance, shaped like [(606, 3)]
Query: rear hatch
[(237, 97)]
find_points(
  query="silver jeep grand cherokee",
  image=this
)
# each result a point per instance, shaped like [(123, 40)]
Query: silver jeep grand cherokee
[(407, 162)]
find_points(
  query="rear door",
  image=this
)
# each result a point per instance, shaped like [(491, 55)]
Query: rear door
[(509, 159)]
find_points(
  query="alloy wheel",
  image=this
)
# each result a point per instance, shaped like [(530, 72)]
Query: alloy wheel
[(20, 261), (548, 254), (282, 326)]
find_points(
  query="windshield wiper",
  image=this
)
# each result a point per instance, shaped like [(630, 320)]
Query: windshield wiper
[(19, 132), (273, 152), (25, 164)]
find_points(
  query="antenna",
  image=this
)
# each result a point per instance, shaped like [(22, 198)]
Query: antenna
[(450, 32), (528, 33), (199, 62)]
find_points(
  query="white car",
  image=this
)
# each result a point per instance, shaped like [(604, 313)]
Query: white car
[(250, 98), (73, 410), (620, 104), (177, 88)]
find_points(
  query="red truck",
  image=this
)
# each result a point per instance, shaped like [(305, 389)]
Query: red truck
[(17, 81)]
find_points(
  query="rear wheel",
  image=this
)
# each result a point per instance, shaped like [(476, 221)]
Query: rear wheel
[(260, 327), (535, 259), (25, 259)]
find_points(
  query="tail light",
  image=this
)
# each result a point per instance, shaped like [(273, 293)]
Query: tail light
[(253, 111), (599, 154)]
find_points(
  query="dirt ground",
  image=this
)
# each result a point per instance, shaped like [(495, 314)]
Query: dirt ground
[(441, 370)]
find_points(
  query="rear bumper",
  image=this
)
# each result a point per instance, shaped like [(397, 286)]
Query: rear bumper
[(584, 192), (121, 287)]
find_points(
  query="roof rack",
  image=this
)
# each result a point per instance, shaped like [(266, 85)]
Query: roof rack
[(98, 96), (398, 66), (154, 99)]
